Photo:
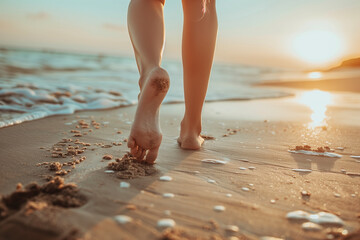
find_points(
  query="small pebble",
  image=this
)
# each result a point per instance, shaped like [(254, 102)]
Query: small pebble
[(229, 195), (122, 219), (166, 222), (107, 157), (309, 226), (232, 228), (343, 170), (251, 184), (165, 178), (272, 201), (244, 160), (167, 212), (301, 170), (252, 168), (109, 171), (124, 185), (305, 193), (214, 161), (353, 195), (219, 208), (211, 181), (168, 195), (245, 189), (242, 168), (337, 195)]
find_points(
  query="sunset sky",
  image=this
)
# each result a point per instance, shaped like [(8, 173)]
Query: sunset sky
[(282, 33)]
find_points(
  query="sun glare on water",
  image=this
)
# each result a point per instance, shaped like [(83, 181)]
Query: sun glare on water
[(314, 75), (317, 46), (317, 101)]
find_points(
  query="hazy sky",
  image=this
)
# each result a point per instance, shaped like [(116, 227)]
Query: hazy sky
[(253, 32)]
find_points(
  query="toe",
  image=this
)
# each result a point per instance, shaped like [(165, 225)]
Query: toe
[(138, 153), (152, 155), (131, 142), (134, 150), (142, 155)]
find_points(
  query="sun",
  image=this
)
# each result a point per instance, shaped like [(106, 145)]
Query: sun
[(318, 46)]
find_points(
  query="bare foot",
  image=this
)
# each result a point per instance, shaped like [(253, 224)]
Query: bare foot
[(145, 136), (190, 137)]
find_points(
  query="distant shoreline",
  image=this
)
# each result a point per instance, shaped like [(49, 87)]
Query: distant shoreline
[(347, 84)]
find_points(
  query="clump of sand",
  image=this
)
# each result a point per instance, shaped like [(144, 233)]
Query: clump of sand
[(35, 197), (308, 148), (129, 167)]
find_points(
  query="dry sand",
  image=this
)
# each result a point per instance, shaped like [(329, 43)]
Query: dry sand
[(253, 190)]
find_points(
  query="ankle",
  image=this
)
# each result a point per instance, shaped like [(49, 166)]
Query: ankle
[(191, 126), (144, 73)]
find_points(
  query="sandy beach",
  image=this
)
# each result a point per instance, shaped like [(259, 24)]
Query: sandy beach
[(246, 194)]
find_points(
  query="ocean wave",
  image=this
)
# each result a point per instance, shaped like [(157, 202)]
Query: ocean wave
[(35, 85)]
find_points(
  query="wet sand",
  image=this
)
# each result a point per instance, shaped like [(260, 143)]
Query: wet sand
[(247, 194)]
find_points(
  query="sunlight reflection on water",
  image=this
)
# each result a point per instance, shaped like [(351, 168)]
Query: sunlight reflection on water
[(317, 101)]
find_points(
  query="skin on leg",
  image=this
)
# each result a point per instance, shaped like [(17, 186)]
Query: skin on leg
[(146, 30), (198, 45)]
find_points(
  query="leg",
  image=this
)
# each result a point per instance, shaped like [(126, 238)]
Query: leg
[(146, 29), (199, 38)]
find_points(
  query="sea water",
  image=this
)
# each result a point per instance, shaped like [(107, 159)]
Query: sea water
[(37, 84)]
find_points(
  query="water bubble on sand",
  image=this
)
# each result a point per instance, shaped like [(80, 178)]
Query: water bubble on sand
[(219, 208), (124, 185), (211, 181), (232, 228), (313, 153), (245, 189), (309, 226), (167, 212), (272, 201), (229, 195), (356, 157), (122, 219), (166, 222), (214, 161), (109, 171), (252, 168), (297, 215), (168, 195), (325, 218), (301, 170), (242, 168), (319, 218), (226, 159), (165, 178)]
